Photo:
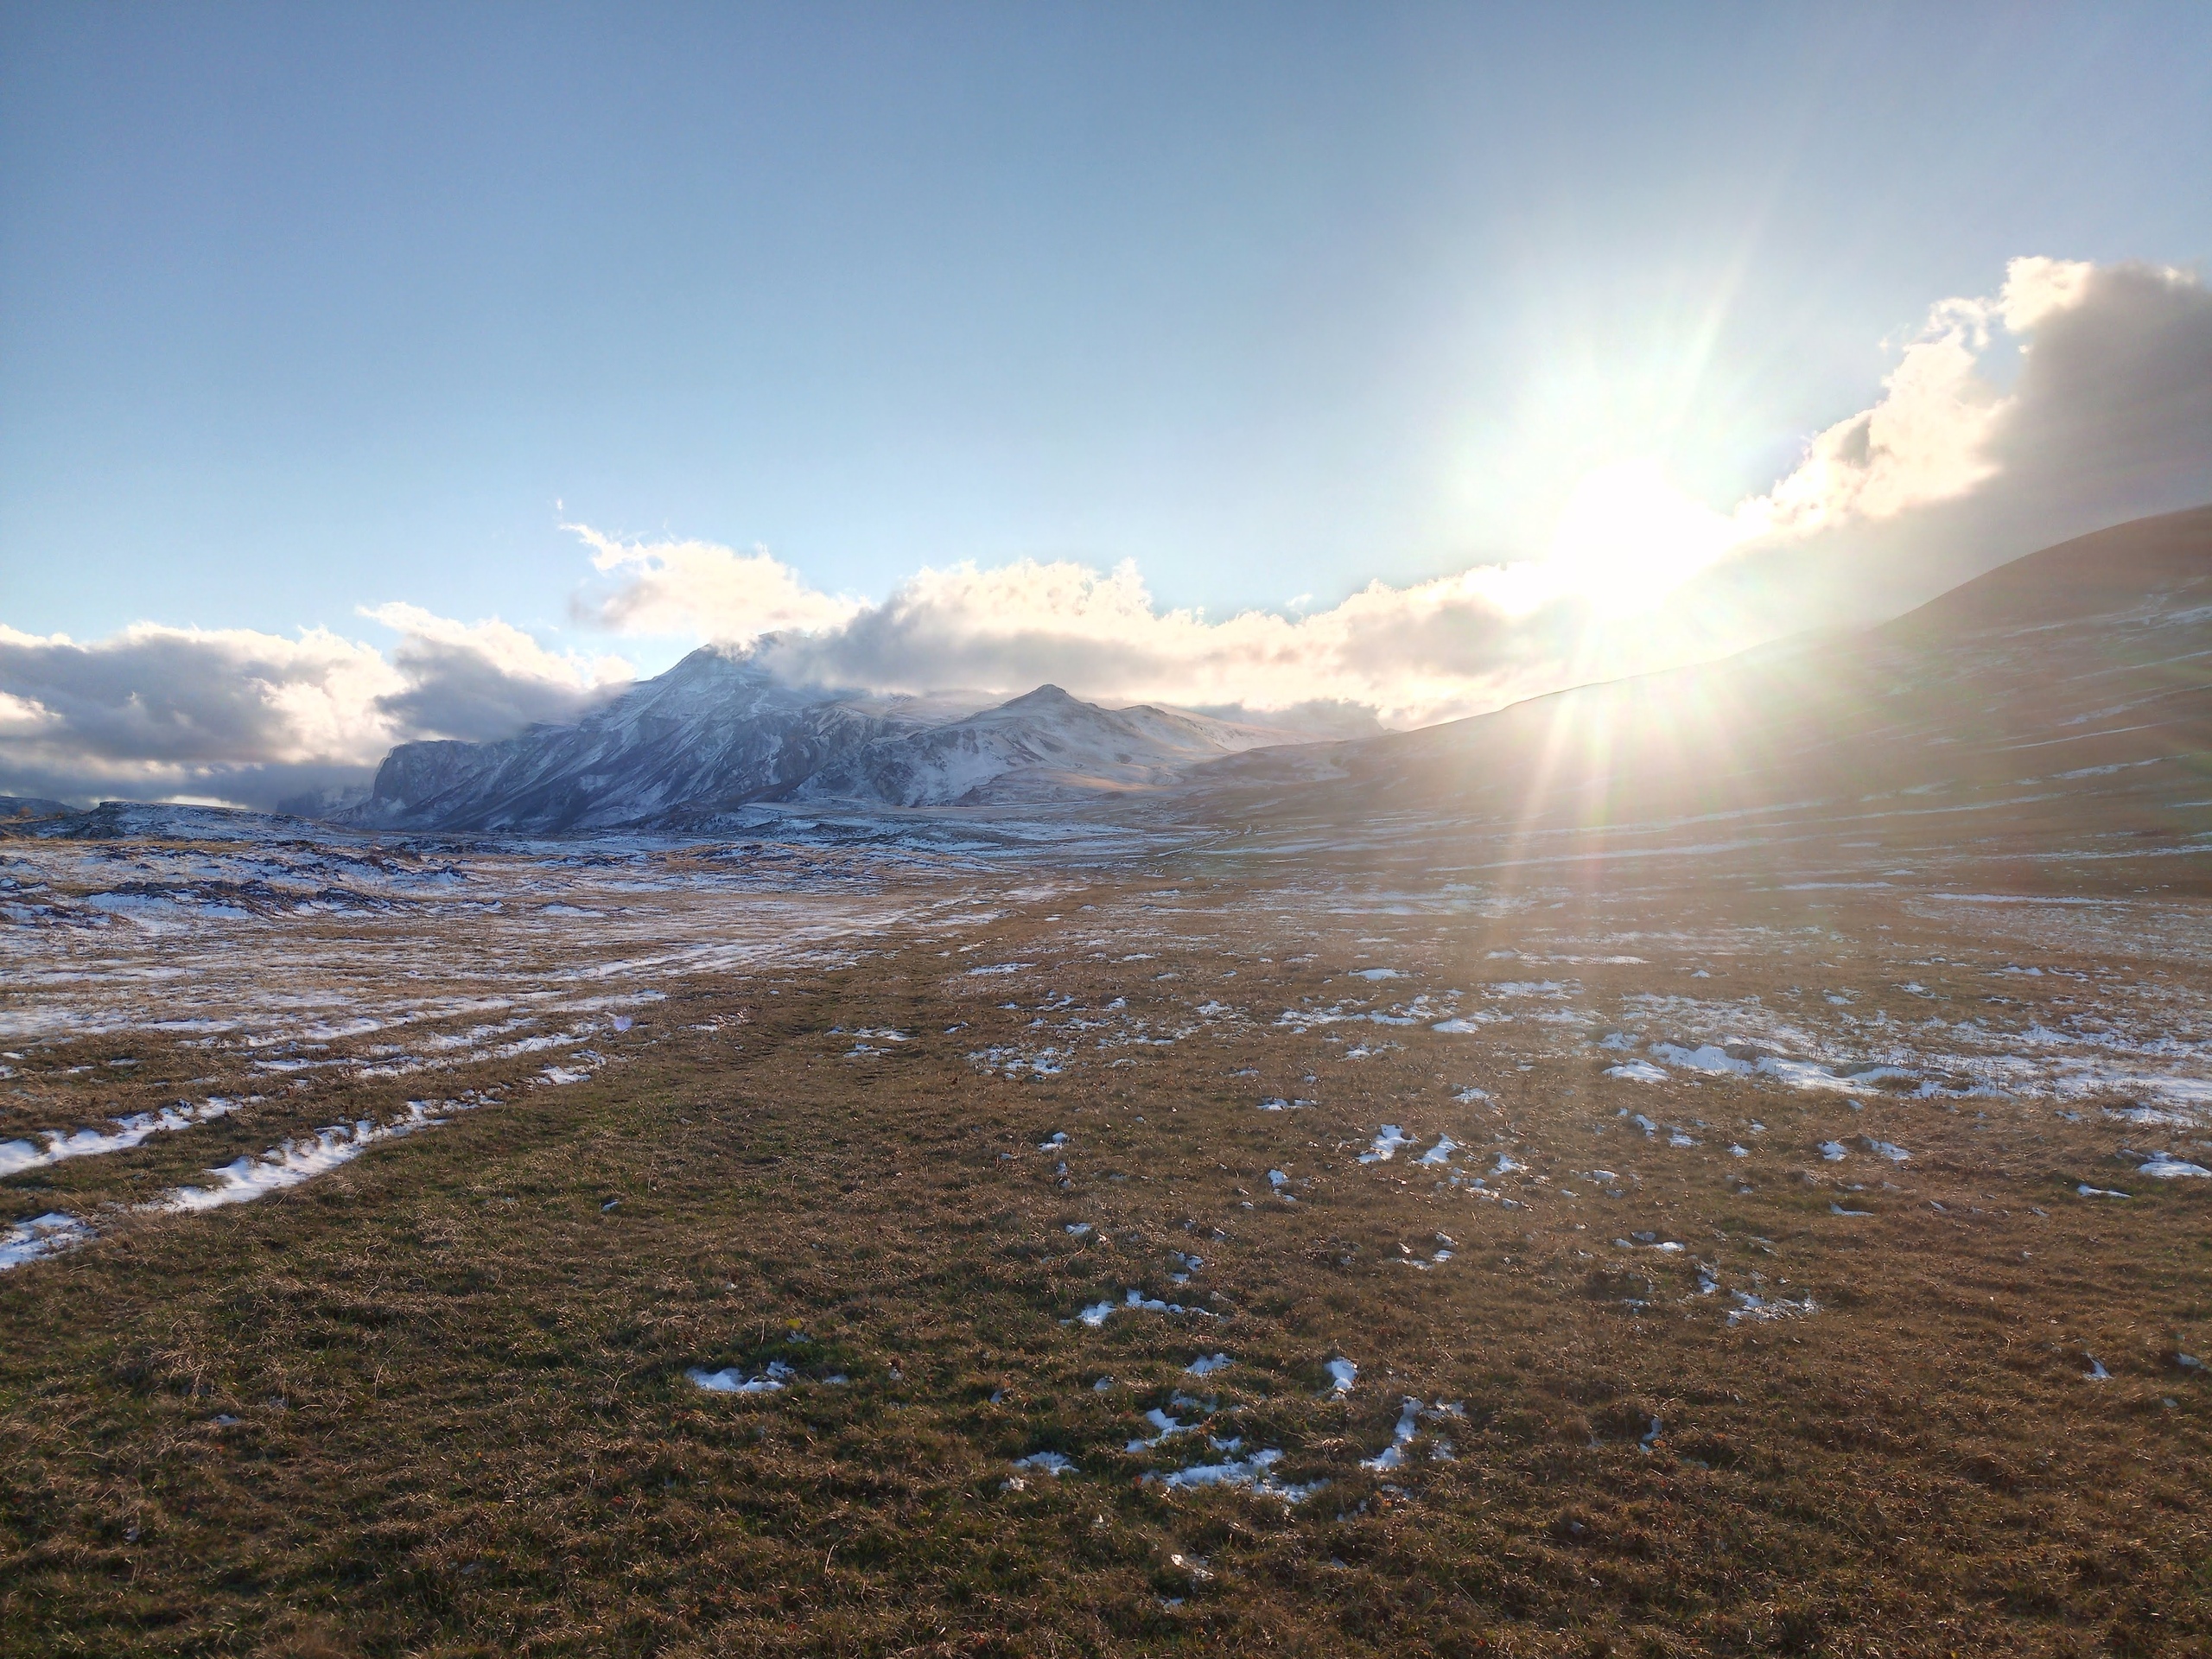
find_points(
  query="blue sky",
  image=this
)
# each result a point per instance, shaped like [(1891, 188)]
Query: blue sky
[(307, 308), (376, 373)]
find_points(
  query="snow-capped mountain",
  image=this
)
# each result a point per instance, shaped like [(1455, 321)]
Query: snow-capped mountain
[(716, 727), (1040, 747), (717, 732)]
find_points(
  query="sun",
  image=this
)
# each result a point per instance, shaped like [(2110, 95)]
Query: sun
[(1627, 537)]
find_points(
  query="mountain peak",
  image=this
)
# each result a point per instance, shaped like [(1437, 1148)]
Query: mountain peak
[(721, 661), (1047, 696)]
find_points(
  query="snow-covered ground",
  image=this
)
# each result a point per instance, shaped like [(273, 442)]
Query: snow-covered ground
[(392, 961)]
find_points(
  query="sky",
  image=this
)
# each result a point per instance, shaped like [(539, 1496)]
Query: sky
[(372, 373)]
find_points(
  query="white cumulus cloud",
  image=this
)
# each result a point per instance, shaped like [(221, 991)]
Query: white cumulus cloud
[(1951, 473), (485, 679), (697, 589)]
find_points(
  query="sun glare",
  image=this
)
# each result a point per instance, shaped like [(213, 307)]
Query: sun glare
[(1628, 536)]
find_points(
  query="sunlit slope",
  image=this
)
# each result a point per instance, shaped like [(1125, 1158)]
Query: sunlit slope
[(2069, 692)]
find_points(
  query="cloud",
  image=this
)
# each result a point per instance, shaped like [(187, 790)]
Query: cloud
[(1926, 439), (237, 714), (486, 680), (2036, 286), (2113, 406), (700, 589), (2113, 388), (2109, 418), (1952, 469), (197, 696), (1403, 651), (1946, 473)]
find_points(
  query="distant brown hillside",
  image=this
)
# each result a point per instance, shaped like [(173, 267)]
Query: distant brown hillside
[(2067, 694)]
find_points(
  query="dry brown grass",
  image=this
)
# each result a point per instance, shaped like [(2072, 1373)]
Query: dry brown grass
[(464, 1425)]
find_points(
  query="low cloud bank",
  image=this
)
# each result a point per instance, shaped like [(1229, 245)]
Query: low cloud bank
[(233, 715), (1948, 474)]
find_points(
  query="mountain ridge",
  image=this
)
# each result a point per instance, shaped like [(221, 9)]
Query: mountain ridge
[(1992, 664), (717, 733)]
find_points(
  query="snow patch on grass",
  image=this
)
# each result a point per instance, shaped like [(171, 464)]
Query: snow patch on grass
[(304, 1158), (1252, 1473), (773, 1380), (1386, 1145), (1392, 1455), (1134, 1302), (2172, 1169), (41, 1235), (16, 1156)]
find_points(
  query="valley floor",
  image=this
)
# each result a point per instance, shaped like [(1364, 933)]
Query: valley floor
[(1260, 1253)]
